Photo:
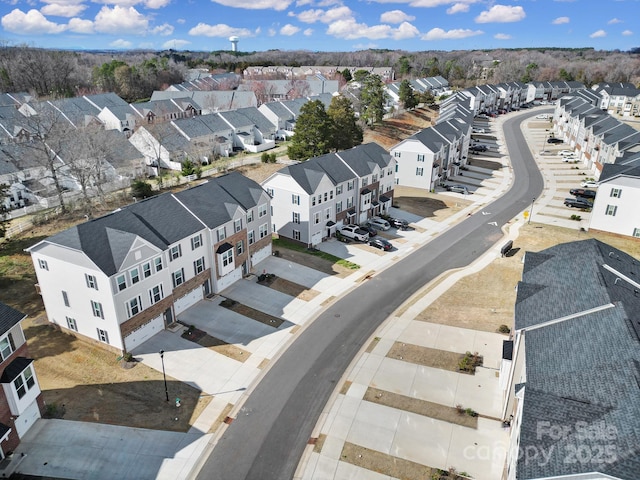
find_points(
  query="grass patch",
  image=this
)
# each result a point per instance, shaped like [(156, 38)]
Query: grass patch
[(432, 357), (252, 313), (283, 243)]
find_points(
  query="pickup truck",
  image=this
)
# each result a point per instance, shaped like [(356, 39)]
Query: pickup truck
[(578, 202), (354, 232)]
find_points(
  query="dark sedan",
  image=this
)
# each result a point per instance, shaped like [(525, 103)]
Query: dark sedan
[(582, 192), (578, 202), (381, 243), (554, 140)]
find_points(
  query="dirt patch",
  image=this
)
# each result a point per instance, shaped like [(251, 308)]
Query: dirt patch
[(425, 204), (290, 288), (431, 357), (252, 313), (396, 129), (217, 345), (421, 407), (317, 263), (488, 164)]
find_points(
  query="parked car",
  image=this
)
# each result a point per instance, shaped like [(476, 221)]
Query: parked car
[(458, 189), (355, 232), (566, 152), (589, 184), (569, 158), (399, 223), (477, 130), (478, 148), (379, 223), (543, 116), (554, 140), (578, 202), (370, 230), (381, 243), (482, 115), (581, 192)]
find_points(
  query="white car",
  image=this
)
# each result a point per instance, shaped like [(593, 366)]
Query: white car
[(543, 116), (477, 130), (569, 158), (589, 184), (355, 232), (566, 152)]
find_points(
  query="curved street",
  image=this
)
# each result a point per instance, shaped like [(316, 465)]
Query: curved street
[(268, 436)]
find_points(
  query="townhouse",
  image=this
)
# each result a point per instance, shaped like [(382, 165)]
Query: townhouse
[(21, 400), (312, 199), (571, 385), (119, 279)]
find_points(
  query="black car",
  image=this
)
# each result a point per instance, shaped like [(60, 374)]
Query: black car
[(582, 192), (381, 243), (478, 148), (372, 231), (399, 223), (578, 202), (554, 140)]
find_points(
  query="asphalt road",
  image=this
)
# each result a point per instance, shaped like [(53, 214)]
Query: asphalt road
[(269, 435)]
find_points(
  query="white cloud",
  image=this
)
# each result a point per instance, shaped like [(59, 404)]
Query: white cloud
[(219, 30), (440, 34), (278, 5), (326, 16), (153, 4), (598, 34), (614, 20), (120, 43), (396, 16), (289, 30), (626, 33), (175, 44), (349, 30), (120, 20), (501, 14), (60, 10), (502, 36), (458, 8), (78, 25), (181, 21), (272, 32), (308, 32), (30, 23), (164, 30), (318, 3), (405, 30), (560, 20)]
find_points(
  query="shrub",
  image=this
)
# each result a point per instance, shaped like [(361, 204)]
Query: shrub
[(264, 158), (141, 189), (576, 217), (504, 329), (469, 362), (471, 412)]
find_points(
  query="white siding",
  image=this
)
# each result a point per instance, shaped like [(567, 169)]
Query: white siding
[(626, 217)]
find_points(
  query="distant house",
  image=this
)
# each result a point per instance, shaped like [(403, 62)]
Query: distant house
[(21, 401), (162, 145), (209, 136), (165, 110), (211, 101), (117, 280), (251, 130)]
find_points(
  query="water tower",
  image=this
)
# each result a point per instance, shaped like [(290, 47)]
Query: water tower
[(234, 43)]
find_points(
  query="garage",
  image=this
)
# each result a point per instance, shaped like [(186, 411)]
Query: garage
[(144, 333), (24, 422), (186, 301)]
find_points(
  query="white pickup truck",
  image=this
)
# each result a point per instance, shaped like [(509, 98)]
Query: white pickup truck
[(354, 232)]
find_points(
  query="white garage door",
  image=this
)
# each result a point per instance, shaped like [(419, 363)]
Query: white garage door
[(316, 238), (27, 419), (144, 333), (186, 301)]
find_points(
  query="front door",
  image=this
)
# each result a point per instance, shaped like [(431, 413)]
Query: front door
[(206, 287), (168, 317)]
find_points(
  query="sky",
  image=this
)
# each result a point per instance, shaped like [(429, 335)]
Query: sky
[(320, 25)]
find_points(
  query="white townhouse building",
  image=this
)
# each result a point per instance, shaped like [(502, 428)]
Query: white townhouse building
[(119, 279), (312, 199)]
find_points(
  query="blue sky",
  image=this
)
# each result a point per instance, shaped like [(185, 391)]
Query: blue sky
[(320, 25)]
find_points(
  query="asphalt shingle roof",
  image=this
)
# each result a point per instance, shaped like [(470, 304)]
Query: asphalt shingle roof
[(9, 317)]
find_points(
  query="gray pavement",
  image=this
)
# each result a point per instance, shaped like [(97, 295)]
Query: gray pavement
[(101, 447)]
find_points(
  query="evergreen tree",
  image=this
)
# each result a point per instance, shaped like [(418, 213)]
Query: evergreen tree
[(4, 192), (372, 98), (346, 131), (312, 134), (346, 73), (407, 97)]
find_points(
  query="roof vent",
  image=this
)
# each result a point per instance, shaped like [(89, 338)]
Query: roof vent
[(611, 254), (616, 281)]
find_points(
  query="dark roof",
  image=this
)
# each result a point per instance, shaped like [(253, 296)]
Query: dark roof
[(225, 247), (9, 317), (15, 368), (507, 349)]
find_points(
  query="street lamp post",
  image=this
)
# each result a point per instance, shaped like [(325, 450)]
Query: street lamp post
[(530, 214), (166, 391)]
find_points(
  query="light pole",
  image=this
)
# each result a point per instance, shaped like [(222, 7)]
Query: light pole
[(529, 221), (166, 391)]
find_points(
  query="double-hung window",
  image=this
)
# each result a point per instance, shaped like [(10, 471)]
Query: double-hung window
[(24, 382), (178, 277), (222, 234), (96, 307), (91, 281), (198, 265), (134, 306), (7, 347), (237, 225), (121, 282), (262, 210), (175, 252), (196, 242), (156, 294)]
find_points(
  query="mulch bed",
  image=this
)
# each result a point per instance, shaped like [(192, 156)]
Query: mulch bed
[(288, 287), (430, 357), (252, 313), (217, 345)]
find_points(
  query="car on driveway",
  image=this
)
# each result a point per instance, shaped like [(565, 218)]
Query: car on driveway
[(477, 130), (458, 189), (578, 202), (569, 158), (543, 116), (399, 223), (370, 230), (379, 223), (381, 243), (581, 192), (478, 148), (554, 140), (354, 232), (566, 152), (589, 184)]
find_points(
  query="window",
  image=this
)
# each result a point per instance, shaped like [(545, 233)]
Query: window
[(327, 214), (421, 158), (313, 201), (102, 335), (365, 181), (419, 171), (616, 192), (338, 207), (396, 154), (134, 275), (250, 237), (158, 264), (338, 189), (71, 324), (295, 199), (175, 252), (636, 232), (611, 210), (196, 242), (350, 202), (198, 265), (97, 309), (24, 382), (121, 282), (325, 196), (134, 306), (374, 178), (43, 264), (330, 194), (222, 234), (296, 217), (249, 216), (350, 185), (237, 225), (264, 230), (178, 277), (7, 347), (65, 298), (270, 192), (296, 234), (316, 217), (240, 248), (91, 281), (262, 210), (156, 294), (227, 258), (146, 270)]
